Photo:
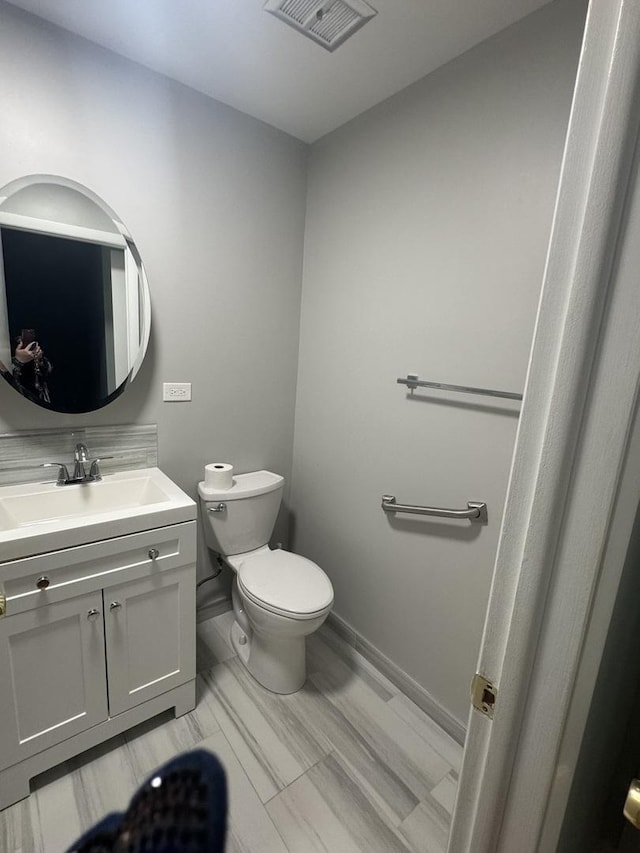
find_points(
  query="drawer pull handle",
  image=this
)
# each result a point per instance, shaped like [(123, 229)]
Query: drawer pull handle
[(93, 614), (115, 605), (153, 553), (43, 582)]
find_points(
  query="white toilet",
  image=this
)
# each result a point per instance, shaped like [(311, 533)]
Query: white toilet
[(278, 597)]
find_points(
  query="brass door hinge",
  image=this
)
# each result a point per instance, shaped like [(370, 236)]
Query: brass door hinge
[(483, 695), (632, 804)]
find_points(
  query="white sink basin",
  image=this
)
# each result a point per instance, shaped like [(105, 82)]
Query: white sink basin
[(55, 503), (38, 517)]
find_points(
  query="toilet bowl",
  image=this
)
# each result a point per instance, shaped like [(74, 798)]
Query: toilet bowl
[(279, 598)]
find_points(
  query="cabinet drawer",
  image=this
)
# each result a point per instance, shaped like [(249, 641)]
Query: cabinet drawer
[(75, 571)]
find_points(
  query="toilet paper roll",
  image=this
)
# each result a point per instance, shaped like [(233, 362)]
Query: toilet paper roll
[(218, 476)]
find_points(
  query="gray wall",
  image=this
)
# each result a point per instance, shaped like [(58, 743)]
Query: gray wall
[(427, 224), (215, 201)]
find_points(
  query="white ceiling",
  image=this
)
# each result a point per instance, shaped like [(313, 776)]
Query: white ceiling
[(234, 51)]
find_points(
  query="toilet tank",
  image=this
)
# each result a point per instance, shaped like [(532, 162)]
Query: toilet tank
[(251, 509)]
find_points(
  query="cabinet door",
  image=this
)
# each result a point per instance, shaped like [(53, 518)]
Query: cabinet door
[(150, 634), (52, 666)]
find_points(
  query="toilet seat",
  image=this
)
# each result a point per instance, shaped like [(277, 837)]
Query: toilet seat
[(286, 584)]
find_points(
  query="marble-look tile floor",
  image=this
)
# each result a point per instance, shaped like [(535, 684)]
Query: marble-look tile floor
[(346, 765)]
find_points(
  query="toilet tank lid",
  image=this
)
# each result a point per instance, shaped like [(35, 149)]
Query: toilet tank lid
[(244, 486)]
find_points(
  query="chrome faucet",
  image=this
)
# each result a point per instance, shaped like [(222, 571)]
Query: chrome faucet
[(80, 458)]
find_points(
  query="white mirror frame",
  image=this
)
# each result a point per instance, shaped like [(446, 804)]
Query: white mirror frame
[(120, 239)]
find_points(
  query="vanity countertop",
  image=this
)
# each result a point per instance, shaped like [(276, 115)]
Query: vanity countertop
[(36, 518)]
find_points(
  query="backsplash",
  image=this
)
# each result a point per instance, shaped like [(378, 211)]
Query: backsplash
[(22, 453)]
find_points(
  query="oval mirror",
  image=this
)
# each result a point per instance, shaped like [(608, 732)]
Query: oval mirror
[(75, 314)]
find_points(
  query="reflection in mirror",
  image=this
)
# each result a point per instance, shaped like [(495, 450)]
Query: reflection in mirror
[(74, 300)]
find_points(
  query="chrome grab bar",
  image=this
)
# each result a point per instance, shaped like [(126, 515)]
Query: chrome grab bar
[(412, 382), (476, 510)]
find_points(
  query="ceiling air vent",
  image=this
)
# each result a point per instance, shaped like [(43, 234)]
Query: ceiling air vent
[(327, 22)]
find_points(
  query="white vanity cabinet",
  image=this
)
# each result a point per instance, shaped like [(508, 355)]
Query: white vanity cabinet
[(53, 675), (150, 637), (95, 639)]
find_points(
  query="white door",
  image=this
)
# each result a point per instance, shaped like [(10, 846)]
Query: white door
[(52, 667), (578, 411), (150, 636)]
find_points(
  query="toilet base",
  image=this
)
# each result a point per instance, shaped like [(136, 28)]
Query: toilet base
[(239, 640), (279, 664)]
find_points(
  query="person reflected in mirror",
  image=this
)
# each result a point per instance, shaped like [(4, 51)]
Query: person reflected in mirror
[(31, 369)]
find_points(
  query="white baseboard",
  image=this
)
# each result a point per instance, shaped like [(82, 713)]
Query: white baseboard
[(351, 640)]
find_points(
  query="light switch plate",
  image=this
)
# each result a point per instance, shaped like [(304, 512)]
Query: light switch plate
[(176, 392)]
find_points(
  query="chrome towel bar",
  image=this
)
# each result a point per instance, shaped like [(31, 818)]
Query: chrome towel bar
[(476, 510), (412, 382)]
